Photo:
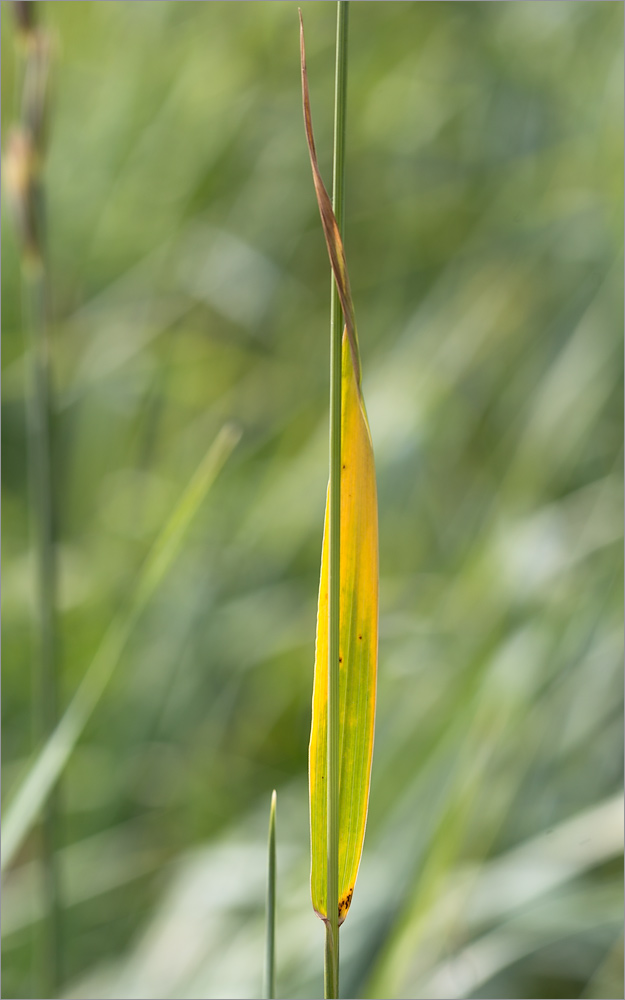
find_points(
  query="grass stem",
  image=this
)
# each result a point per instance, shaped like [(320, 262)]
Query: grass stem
[(45, 680), (331, 964), (25, 160)]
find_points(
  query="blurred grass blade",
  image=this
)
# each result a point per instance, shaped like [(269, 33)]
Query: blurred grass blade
[(23, 810), (25, 186), (270, 954), (358, 628), (357, 658)]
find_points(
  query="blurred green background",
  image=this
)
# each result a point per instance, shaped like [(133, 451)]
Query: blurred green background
[(190, 287)]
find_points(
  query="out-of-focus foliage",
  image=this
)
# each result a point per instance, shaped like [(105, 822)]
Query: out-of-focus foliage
[(190, 285)]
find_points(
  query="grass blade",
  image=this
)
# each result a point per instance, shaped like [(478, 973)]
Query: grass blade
[(23, 810), (358, 627), (270, 953), (358, 638)]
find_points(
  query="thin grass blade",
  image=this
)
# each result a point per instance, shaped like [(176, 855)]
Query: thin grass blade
[(23, 810), (270, 948)]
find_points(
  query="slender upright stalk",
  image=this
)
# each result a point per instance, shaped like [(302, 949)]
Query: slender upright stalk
[(270, 954), (24, 173), (45, 684), (331, 965)]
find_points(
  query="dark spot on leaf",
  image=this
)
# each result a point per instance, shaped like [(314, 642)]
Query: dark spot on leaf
[(344, 903)]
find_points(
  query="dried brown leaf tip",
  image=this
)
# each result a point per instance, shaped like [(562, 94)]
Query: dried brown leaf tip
[(331, 232)]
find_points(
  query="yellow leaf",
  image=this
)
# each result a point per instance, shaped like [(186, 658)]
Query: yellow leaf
[(358, 652)]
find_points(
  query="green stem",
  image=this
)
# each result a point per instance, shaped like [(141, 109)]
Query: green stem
[(28, 197), (270, 954), (331, 965), (45, 684), (331, 962)]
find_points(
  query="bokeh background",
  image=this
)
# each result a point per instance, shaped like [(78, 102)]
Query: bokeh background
[(189, 288)]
